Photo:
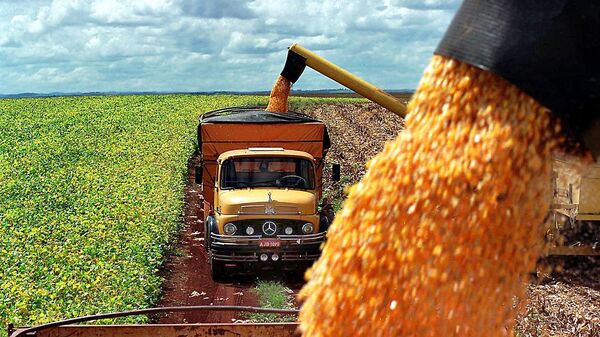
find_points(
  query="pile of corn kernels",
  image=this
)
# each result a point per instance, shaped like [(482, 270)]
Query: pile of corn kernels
[(439, 236)]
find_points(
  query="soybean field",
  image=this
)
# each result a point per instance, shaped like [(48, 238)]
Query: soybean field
[(91, 196)]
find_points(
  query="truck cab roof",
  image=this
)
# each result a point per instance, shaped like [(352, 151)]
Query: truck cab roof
[(265, 152)]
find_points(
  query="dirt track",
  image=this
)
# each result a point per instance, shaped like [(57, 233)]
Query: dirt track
[(187, 273)]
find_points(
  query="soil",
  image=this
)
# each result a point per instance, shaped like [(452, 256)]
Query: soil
[(565, 301), (358, 132)]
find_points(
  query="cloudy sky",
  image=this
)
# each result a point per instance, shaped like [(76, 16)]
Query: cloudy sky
[(204, 45)]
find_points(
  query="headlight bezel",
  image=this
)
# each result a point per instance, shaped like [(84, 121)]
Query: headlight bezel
[(308, 228), (229, 228)]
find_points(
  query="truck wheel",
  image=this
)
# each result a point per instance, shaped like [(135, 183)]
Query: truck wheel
[(326, 217), (218, 271), (324, 223), (210, 227)]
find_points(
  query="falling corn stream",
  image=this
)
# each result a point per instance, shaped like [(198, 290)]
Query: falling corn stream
[(439, 236), (278, 100)]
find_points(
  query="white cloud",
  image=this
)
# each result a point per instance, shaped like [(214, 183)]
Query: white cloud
[(131, 12), (103, 45), (93, 42), (217, 9)]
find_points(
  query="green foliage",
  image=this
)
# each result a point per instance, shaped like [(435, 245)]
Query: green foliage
[(91, 193), (90, 196), (299, 104), (272, 294)]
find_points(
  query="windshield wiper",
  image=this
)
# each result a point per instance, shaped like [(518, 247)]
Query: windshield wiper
[(265, 183), (236, 184)]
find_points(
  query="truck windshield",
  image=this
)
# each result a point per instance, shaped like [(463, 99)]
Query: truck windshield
[(282, 172)]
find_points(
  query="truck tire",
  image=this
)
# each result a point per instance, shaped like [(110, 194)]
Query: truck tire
[(323, 224), (326, 218), (218, 271), (210, 227)]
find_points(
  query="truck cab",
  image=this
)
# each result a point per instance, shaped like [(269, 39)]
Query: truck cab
[(261, 177)]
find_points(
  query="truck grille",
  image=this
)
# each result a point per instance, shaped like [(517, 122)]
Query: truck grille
[(258, 226)]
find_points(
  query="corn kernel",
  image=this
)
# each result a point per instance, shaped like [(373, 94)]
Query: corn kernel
[(445, 258)]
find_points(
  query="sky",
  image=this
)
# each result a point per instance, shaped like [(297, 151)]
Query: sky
[(211, 45)]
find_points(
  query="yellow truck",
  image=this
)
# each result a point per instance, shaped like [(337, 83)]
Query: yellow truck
[(261, 175)]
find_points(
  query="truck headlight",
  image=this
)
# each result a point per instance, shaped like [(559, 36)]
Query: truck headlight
[(249, 230), (229, 228), (307, 228)]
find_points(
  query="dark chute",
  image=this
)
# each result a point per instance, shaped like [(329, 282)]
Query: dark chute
[(549, 49)]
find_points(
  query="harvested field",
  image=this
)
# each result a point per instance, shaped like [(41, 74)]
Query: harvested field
[(566, 302), (358, 132)]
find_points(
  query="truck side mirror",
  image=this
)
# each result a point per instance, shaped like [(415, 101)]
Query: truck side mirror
[(198, 174), (336, 172)]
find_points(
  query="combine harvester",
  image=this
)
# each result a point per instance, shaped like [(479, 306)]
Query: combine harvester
[(576, 205), (576, 196)]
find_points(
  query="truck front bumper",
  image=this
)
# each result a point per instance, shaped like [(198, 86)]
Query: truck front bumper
[(249, 248)]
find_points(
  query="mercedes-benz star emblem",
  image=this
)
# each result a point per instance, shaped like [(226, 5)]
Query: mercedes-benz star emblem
[(269, 228)]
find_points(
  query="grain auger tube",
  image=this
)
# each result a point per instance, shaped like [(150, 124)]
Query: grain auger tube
[(299, 57)]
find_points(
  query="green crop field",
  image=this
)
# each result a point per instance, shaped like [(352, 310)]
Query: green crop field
[(90, 199)]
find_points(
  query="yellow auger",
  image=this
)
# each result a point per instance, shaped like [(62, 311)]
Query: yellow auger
[(299, 57)]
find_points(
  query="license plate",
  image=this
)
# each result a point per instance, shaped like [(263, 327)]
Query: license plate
[(267, 243)]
